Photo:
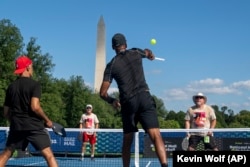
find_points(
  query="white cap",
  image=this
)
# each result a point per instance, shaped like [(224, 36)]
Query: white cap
[(200, 95), (89, 105)]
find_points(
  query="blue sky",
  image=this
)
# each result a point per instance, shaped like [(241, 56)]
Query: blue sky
[(206, 43)]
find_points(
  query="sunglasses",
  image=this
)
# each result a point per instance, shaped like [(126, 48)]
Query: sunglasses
[(88, 108), (199, 97)]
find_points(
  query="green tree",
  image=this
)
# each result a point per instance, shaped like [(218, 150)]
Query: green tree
[(227, 114), (242, 119), (236, 125), (42, 63), (52, 105), (179, 117), (160, 108), (11, 43), (169, 124), (219, 117), (107, 115), (75, 99)]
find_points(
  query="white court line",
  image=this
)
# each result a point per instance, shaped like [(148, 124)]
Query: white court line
[(148, 164), (42, 162)]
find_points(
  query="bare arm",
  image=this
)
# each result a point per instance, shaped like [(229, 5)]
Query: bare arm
[(80, 126), (104, 94), (187, 126), (97, 126), (36, 108), (212, 126)]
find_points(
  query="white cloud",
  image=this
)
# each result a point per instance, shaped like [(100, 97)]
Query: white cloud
[(221, 90), (208, 82), (210, 85), (176, 94), (177, 98), (242, 84)]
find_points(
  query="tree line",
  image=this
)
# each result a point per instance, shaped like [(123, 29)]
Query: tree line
[(64, 100)]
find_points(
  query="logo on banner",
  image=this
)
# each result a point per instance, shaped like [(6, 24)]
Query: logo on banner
[(69, 141)]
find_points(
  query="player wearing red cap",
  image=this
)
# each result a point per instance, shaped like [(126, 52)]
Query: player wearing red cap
[(22, 109)]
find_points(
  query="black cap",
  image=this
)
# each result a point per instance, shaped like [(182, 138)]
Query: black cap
[(118, 39)]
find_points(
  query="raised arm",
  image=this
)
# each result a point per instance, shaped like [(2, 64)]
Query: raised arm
[(147, 53)]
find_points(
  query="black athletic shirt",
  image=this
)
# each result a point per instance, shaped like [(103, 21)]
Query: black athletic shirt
[(18, 99), (127, 70)]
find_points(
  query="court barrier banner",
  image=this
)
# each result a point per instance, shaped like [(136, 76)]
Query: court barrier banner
[(107, 143), (225, 141), (3, 137), (110, 141)]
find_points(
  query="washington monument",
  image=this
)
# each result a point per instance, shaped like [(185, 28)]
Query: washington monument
[(100, 61)]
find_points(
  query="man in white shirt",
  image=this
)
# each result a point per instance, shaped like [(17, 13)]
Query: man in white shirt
[(90, 121), (201, 116)]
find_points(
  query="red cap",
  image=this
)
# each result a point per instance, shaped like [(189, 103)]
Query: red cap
[(22, 63)]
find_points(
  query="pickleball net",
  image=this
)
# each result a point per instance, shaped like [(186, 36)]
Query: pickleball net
[(108, 149)]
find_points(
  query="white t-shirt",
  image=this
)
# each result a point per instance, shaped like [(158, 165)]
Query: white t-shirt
[(200, 118), (89, 121)]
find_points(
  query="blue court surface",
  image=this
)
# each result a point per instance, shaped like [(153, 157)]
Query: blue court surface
[(87, 162)]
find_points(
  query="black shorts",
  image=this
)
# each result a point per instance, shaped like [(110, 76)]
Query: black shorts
[(140, 108), (40, 139), (194, 140)]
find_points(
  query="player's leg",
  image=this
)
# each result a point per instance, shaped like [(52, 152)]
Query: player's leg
[(85, 139), (5, 155), (149, 122), (92, 141), (40, 139), (15, 140), (130, 118), (126, 145), (128, 111), (160, 149), (49, 157)]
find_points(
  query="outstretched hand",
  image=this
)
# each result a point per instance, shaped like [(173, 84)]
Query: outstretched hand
[(149, 54)]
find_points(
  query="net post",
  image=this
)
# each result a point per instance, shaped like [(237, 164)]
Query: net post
[(137, 149)]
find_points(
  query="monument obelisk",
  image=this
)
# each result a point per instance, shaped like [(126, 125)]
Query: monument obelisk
[(100, 61)]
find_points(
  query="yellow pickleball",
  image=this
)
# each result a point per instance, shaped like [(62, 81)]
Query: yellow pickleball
[(153, 41)]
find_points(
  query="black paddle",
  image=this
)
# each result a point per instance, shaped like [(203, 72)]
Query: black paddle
[(59, 129)]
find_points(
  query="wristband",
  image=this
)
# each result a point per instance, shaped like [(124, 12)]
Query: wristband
[(110, 100)]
